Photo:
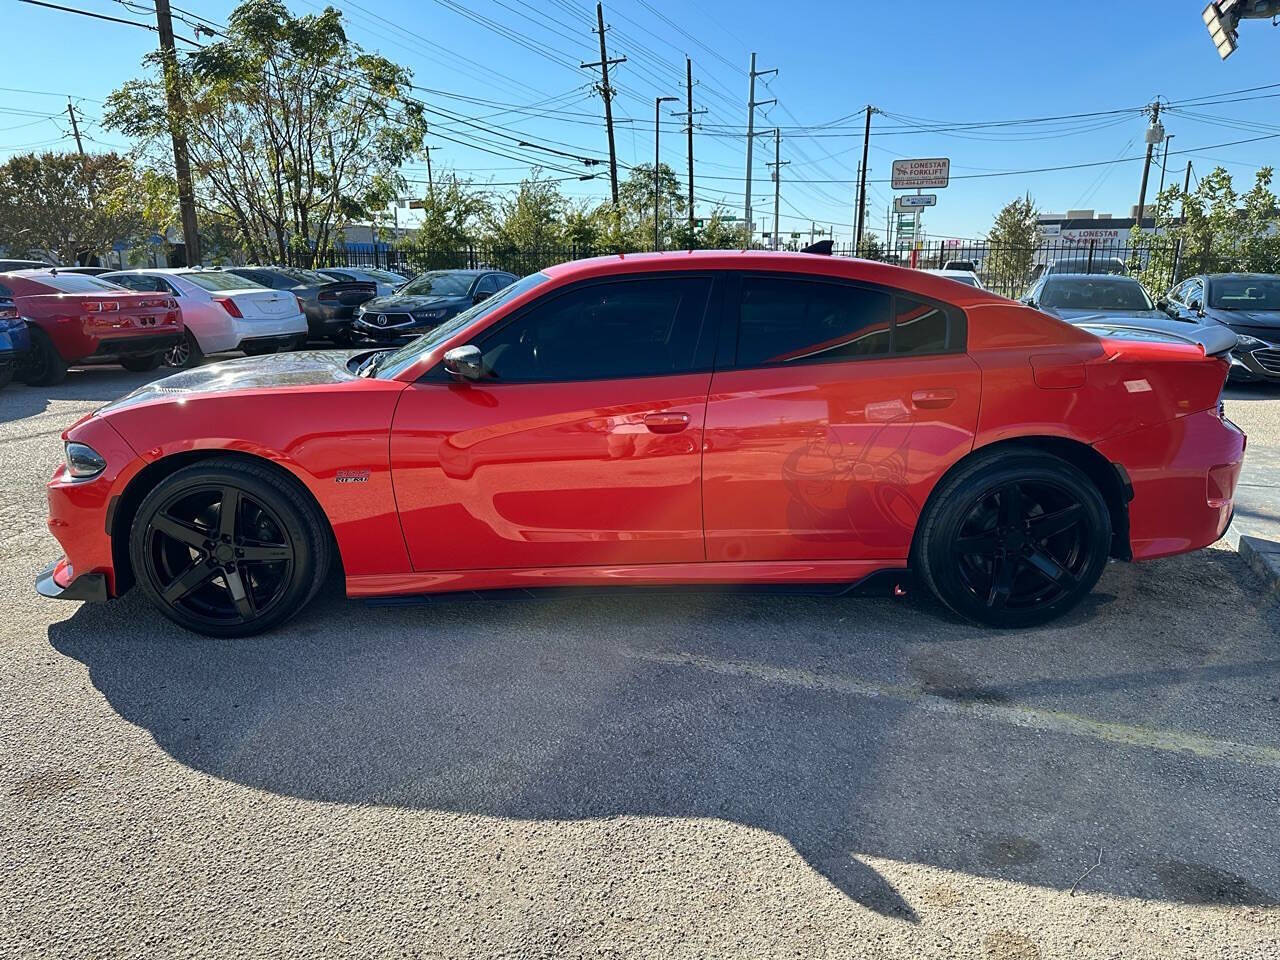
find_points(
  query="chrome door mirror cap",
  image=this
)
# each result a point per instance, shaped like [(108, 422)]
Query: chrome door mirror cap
[(465, 362)]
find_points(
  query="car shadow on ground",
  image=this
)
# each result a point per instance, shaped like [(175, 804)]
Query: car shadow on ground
[(98, 384), (853, 728)]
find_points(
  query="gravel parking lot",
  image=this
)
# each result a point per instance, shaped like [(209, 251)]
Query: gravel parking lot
[(639, 774)]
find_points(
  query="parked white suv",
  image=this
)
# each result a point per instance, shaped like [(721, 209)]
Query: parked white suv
[(222, 312)]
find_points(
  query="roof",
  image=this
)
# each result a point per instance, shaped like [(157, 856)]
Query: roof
[(849, 268)]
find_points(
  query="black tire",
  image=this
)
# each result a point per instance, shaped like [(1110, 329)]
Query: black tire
[(142, 364), (343, 337), (184, 354), (44, 366), (1013, 539), (274, 561), (6, 374)]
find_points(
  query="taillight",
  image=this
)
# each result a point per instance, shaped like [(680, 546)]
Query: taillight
[(170, 303), (301, 308), (101, 306), (229, 305), (327, 295), (8, 313)]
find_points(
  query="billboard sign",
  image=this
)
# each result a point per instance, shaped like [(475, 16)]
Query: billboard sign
[(923, 174), (914, 201)]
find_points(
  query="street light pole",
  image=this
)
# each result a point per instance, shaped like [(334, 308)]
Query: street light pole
[(657, 180)]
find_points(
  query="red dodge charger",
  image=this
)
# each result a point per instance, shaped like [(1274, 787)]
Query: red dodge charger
[(680, 418)]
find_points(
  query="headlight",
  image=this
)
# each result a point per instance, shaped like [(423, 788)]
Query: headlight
[(427, 314), (1246, 342), (83, 461)]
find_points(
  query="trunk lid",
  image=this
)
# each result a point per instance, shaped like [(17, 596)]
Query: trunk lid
[(346, 293)]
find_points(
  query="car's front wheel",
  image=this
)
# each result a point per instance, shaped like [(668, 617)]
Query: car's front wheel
[(185, 353), (228, 550), (1014, 539)]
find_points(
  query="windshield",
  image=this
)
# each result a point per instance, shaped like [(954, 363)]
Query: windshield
[(1095, 293), (1245, 293), (407, 355), (77, 283), (439, 283), (219, 281)]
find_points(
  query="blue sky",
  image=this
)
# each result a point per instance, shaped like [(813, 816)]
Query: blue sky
[(930, 64)]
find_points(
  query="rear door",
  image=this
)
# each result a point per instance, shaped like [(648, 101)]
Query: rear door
[(582, 444), (834, 408)]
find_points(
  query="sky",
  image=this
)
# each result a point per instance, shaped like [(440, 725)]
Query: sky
[(934, 69)]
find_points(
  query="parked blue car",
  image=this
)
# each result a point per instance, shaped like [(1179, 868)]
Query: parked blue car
[(427, 301), (1248, 304), (15, 341)]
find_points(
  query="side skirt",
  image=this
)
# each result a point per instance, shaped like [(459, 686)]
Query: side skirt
[(822, 577)]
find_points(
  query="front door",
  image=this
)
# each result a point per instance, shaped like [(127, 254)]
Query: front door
[(580, 445), (830, 422)]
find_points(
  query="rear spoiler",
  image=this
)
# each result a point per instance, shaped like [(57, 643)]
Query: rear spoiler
[(1215, 341)]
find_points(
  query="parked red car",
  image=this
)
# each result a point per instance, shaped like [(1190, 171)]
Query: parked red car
[(75, 317), (709, 417)]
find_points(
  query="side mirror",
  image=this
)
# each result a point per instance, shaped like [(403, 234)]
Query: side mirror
[(1194, 306), (1163, 304), (481, 295), (465, 362)]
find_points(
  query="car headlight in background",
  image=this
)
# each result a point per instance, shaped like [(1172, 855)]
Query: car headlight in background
[(428, 314), (83, 461), (1246, 342)]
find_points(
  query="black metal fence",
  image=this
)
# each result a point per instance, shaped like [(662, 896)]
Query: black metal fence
[(1005, 269)]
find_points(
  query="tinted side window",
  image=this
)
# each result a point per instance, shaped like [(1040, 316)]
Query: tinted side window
[(622, 328), (918, 327), (488, 284), (785, 320)]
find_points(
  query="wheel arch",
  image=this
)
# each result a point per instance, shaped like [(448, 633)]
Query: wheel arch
[(124, 508), (1110, 479)]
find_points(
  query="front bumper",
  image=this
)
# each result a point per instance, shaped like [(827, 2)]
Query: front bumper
[(59, 582), (1256, 365), (398, 334)]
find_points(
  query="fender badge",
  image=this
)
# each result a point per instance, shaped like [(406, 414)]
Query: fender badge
[(352, 476)]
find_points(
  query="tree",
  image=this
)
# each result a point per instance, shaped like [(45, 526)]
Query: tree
[(292, 128), (72, 208), (453, 213), (635, 203), (871, 248), (1215, 229), (1013, 239), (532, 219)]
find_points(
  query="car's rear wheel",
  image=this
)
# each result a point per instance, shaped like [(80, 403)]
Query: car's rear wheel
[(6, 374), (1014, 539), (43, 366), (142, 364), (228, 550), (184, 353)]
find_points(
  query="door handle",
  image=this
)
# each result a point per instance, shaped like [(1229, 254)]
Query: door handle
[(934, 399), (667, 422)]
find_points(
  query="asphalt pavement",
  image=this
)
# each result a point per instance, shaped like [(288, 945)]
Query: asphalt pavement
[(639, 774)]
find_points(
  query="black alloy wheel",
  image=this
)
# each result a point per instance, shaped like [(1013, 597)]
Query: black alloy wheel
[(228, 550), (43, 366), (185, 353), (1014, 540)]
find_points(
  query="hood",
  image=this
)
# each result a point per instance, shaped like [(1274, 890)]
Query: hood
[(402, 304), (1076, 316), (1246, 318), (301, 369)]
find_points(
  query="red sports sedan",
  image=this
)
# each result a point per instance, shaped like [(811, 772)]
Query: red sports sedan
[(74, 317), (681, 418)]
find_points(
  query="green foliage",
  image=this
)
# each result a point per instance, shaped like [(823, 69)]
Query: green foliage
[(635, 207), (72, 208), (1014, 237), (1214, 229), (292, 128), (871, 248), (453, 215)]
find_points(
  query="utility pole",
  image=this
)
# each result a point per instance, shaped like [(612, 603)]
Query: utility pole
[(751, 135), (177, 114), (431, 183), (862, 180), (75, 127), (657, 179), (606, 92), (777, 165), (1155, 133), (689, 114)]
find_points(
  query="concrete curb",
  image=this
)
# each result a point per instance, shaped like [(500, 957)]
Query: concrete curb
[(1263, 558)]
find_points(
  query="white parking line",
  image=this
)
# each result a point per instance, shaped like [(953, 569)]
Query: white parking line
[(1030, 718)]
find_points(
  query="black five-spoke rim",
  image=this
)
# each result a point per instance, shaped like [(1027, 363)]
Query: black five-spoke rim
[(1023, 545), (219, 554)]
